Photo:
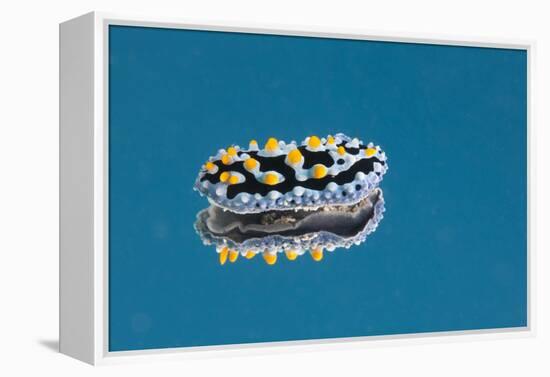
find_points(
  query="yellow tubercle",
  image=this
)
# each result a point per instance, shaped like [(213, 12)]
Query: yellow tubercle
[(231, 151), (250, 254), (291, 254), (226, 159), (250, 164), (330, 140), (271, 145), (294, 156), (224, 177), (341, 150), (317, 254), (233, 255), (270, 258), (253, 143), (319, 171), (271, 179), (233, 180), (223, 255), (369, 152), (209, 166), (314, 142)]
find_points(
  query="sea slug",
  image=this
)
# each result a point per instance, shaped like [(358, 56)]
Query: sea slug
[(318, 195)]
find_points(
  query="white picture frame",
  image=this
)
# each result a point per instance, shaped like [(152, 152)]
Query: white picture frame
[(84, 195)]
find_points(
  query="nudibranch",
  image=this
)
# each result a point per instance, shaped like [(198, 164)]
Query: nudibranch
[(291, 198)]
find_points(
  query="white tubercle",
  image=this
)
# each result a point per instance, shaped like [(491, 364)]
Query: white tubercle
[(221, 190), (332, 186), (298, 190), (274, 194)]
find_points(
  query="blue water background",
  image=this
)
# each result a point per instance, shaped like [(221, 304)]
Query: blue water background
[(450, 253)]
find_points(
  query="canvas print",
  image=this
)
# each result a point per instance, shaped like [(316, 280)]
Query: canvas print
[(271, 188)]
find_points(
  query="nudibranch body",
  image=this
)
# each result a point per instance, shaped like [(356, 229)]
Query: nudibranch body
[(315, 173), (318, 195)]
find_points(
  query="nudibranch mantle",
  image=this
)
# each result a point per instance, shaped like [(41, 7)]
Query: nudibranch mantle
[(318, 172)]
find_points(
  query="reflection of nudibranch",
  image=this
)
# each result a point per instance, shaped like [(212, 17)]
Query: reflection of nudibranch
[(317, 195)]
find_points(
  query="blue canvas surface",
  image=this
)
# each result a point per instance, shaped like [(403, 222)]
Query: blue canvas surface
[(450, 253)]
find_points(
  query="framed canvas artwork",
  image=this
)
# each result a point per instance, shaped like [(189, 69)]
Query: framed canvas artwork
[(225, 187)]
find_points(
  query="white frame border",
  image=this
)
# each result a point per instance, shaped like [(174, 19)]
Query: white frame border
[(102, 355)]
